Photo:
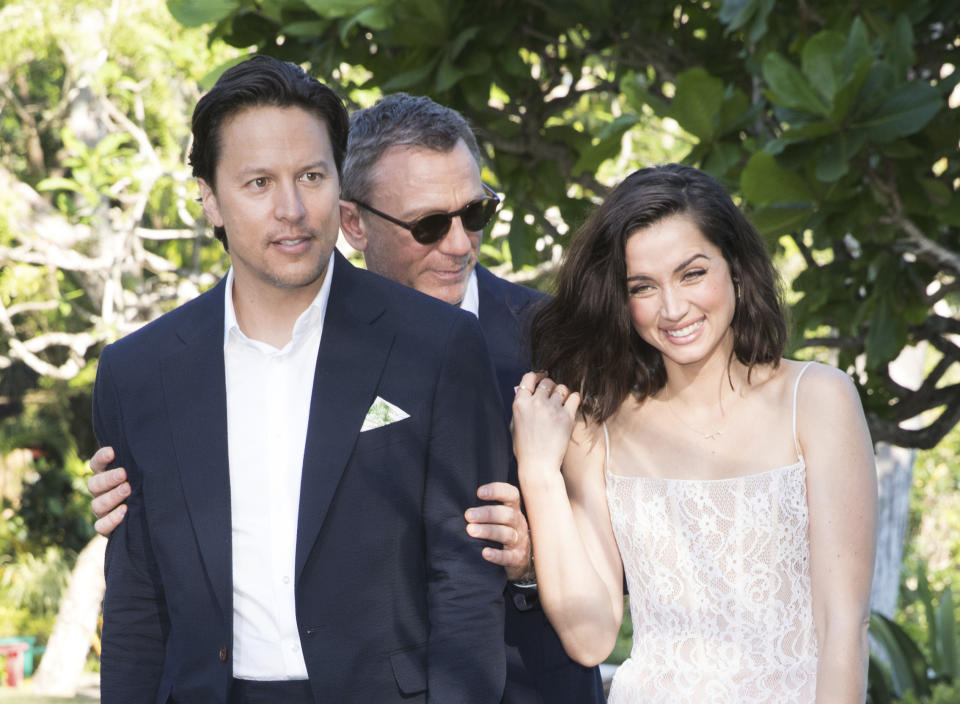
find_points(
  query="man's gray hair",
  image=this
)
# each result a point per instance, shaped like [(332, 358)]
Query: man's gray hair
[(398, 120)]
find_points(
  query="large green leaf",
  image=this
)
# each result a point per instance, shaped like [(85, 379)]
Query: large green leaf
[(907, 665), (193, 13), (947, 642), (462, 39), (336, 8), (899, 45), (765, 182), (777, 220), (836, 155), (306, 28), (906, 111), (790, 87), (447, 75), (886, 333), (522, 244), (822, 63), (845, 97), (857, 47), (697, 102), (411, 77)]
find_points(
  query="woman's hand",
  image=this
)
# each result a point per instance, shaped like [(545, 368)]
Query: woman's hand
[(543, 417)]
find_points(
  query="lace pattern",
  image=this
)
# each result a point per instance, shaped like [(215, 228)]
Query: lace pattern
[(720, 597)]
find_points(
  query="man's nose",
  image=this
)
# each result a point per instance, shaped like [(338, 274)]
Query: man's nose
[(288, 203), (457, 241)]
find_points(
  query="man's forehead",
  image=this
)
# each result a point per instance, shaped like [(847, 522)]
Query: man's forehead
[(415, 168)]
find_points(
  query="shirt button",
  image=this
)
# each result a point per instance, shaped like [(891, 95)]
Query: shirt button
[(223, 653), (286, 580)]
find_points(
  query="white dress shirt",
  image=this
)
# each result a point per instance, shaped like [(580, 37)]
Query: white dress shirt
[(268, 405), (471, 297)]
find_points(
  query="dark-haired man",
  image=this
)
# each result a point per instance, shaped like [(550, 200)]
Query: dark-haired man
[(298, 449), (410, 165)]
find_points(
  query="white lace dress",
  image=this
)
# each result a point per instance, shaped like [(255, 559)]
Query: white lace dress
[(719, 580)]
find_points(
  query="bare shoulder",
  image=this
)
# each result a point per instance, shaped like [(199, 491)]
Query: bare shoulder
[(828, 408), (822, 385)]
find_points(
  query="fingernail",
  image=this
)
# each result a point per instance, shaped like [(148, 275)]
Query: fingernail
[(483, 492)]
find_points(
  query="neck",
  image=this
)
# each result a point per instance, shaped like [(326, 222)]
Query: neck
[(267, 313), (712, 382)]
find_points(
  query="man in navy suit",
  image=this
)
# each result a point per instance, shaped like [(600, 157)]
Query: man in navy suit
[(411, 163), (301, 443)]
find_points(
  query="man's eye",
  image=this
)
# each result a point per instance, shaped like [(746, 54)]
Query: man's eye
[(312, 177), (259, 182)]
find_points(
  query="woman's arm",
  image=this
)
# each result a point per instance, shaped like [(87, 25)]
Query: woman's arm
[(842, 499), (579, 573)]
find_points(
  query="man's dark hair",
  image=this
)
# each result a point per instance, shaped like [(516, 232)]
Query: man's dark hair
[(584, 337), (261, 81), (399, 120)]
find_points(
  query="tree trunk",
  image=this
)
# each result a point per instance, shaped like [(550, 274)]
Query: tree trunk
[(895, 479), (62, 664)]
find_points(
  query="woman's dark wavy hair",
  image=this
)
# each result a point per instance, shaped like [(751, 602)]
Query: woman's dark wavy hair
[(584, 336), (261, 81)]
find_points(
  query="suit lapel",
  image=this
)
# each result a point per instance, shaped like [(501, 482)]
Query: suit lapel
[(194, 383), (504, 335), (353, 351)]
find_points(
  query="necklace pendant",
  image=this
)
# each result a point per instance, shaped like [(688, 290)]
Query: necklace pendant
[(714, 435)]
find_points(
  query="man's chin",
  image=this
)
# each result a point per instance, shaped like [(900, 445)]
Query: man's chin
[(452, 293)]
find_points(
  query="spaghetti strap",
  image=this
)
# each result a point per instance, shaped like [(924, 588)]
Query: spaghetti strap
[(606, 449), (796, 386)]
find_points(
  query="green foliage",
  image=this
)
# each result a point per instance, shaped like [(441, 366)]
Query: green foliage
[(933, 535), (98, 234), (30, 589), (917, 664), (831, 121)]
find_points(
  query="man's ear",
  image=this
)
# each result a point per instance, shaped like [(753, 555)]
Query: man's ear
[(208, 200), (351, 226)]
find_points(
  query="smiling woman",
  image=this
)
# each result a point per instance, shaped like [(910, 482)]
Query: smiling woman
[(734, 489)]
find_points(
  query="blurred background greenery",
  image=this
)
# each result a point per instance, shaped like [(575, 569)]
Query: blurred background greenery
[(835, 126)]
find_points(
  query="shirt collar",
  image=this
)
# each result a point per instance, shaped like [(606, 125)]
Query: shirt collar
[(471, 297), (309, 320)]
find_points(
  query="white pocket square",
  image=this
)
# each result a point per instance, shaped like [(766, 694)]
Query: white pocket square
[(382, 413)]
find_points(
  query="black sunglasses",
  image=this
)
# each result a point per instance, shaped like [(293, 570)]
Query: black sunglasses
[(432, 228)]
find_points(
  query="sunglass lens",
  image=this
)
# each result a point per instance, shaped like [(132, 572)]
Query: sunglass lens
[(431, 228), (478, 214)]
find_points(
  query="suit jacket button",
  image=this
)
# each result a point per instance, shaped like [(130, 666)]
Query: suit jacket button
[(223, 653)]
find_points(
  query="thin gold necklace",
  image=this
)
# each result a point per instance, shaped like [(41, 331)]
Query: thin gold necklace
[(706, 436)]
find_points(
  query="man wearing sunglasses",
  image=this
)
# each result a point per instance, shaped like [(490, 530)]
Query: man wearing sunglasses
[(412, 200)]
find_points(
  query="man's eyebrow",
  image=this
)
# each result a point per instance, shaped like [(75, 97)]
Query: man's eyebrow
[(680, 267), (320, 164)]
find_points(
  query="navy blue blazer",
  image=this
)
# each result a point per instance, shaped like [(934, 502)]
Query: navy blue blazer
[(393, 601), (539, 671)]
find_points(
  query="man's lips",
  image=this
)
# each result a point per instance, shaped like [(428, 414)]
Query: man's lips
[(292, 244)]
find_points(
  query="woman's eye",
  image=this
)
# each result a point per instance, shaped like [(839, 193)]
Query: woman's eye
[(694, 274)]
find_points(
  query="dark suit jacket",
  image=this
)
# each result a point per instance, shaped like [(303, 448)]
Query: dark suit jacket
[(538, 669), (394, 602)]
